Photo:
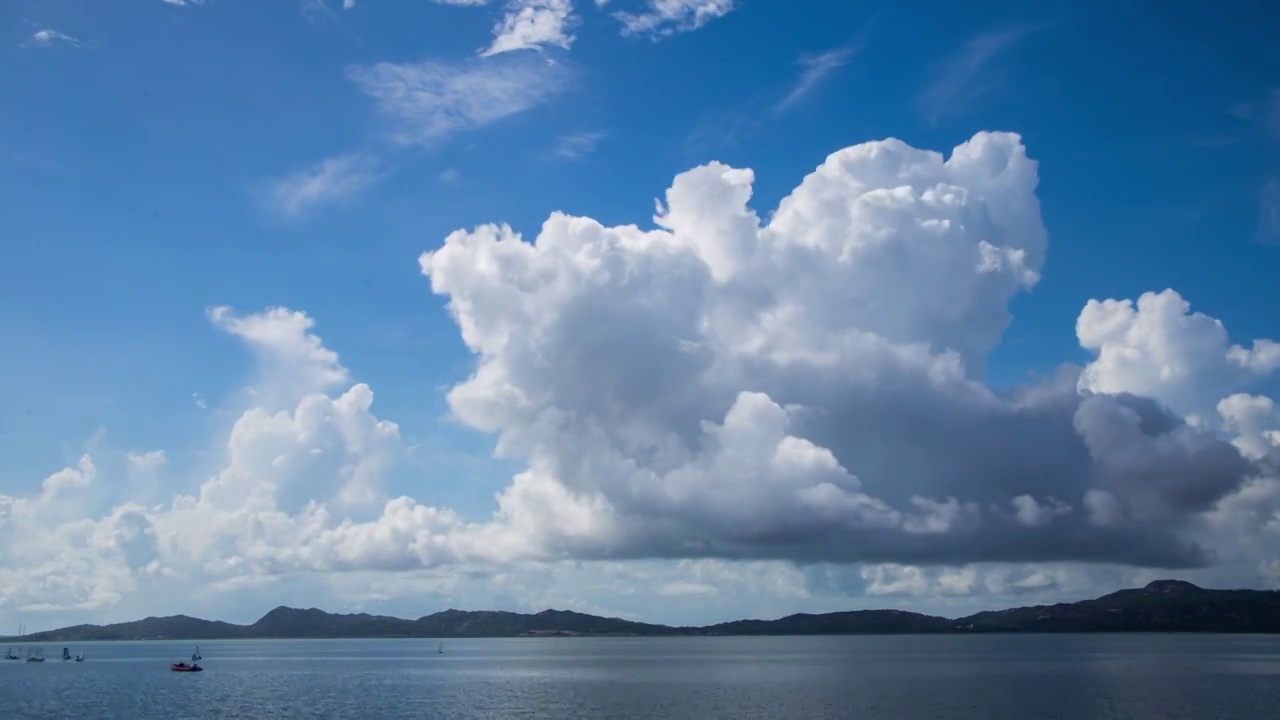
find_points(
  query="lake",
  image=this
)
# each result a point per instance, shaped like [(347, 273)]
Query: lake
[(1021, 677)]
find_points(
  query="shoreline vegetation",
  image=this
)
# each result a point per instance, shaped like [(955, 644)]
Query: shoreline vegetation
[(1161, 606)]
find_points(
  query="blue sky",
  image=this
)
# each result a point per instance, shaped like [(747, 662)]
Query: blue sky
[(147, 147)]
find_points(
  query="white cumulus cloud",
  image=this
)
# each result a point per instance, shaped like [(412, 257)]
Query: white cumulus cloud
[(791, 409), (533, 24), (1158, 348), (808, 388), (1255, 422), (146, 462)]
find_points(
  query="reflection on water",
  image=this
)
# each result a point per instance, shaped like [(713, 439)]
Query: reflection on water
[(1072, 677)]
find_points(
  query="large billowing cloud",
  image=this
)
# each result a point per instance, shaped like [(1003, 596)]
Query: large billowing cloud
[(802, 389), (1159, 348), (809, 388)]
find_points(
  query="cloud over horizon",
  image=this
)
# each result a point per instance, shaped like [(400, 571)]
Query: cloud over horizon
[(773, 400)]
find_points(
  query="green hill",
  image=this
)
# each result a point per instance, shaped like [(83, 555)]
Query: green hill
[(1162, 606)]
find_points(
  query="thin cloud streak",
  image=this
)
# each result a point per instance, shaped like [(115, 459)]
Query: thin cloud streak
[(731, 127), (816, 68), (317, 11), (1264, 115), (428, 102), (578, 145), (1269, 213), (50, 37), (957, 77), (423, 104), (336, 179)]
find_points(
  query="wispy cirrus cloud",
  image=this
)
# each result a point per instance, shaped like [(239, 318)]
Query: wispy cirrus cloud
[(1269, 204), (336, 179), (427, 102), (424, 104), (1264, 115), (1268, 232), (533, 25), (578, 145), (959, 78), (815, 69), (49, 37), (318, 11), (1269, 114), (183, 3), (665, 18), (730, 126)]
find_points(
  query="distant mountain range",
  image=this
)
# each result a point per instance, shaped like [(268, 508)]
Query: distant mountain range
[(1162, 606)]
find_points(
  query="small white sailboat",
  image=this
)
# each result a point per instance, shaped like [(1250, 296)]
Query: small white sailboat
[(440, 648), (13, 654), (80, 656), (196, 655), (38, 656)]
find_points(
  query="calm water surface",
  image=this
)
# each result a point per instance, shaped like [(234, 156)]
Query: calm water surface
[(1075, 677)]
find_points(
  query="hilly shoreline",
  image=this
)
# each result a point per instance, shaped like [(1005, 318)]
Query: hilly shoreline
[(1161, 606)]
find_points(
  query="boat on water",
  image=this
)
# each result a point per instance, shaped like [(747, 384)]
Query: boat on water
[(185, 667), (440, 649), (37, 656), (196, 655), (66, 654), (13, 654), (80, 657)]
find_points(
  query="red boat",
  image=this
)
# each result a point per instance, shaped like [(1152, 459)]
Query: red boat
[(183, 667)]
